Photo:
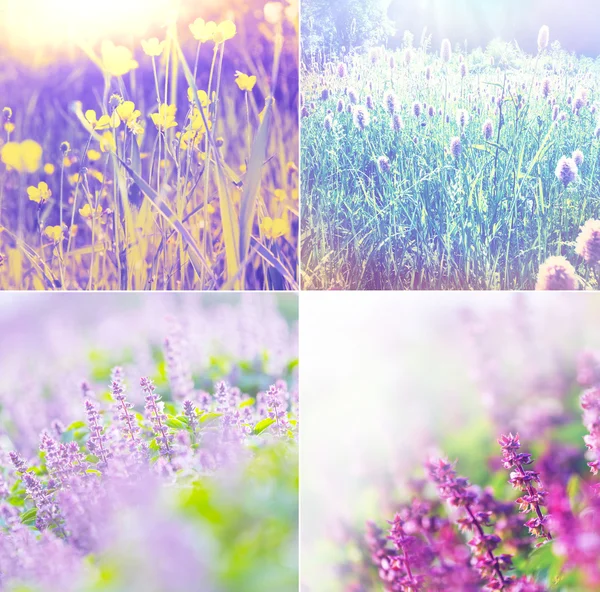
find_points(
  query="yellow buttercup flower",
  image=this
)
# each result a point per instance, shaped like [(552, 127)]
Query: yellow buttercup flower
[(127, 112), (97, 124), (93, 155), (153, 47), (54, 232), (25, 157), (202, 97), (198, 122), (107, 142), (244, 81), (203, 31), (88, 212), (274, 228), (117, 60), (165, 118), (49, 168), (39, 194), (9, 127), (279, 194), (225, 31)]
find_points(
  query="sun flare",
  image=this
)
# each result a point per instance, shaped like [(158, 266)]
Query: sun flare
[(35, 24)]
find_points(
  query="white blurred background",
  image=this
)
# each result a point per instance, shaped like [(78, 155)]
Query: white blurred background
[(382, 372)]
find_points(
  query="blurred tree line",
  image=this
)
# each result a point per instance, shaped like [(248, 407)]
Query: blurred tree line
[(331, 26)]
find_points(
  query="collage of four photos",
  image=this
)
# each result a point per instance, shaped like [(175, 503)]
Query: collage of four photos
[(299, 295)]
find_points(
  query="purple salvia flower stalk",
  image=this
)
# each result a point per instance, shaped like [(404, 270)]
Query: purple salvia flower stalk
[(97, 442), (277, 409), (533, 499), (189, 410), (47, 511), (157, 418), (178, 364), (590, 403), (403, 563), (129, 428), (458, 493)]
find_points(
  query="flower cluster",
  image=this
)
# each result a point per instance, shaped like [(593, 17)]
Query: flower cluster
[(527, 481)]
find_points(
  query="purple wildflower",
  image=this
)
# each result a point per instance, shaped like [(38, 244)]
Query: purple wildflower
[(458, 493), (383, 162), (396, 123), (587, 244), (361, 118), (97, 442), (390, 102), (157, 418), (578, 157), (590, 403), (341, 70), (556, 273), (455, 147), (417, 109), (446, 50), (533, 499), (488, 129), (566, 170)]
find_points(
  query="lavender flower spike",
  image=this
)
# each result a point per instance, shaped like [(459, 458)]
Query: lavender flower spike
[(98, 441), (157, 418), (532, 499)]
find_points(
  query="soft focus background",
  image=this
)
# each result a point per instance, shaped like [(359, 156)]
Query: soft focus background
[(388, 376)]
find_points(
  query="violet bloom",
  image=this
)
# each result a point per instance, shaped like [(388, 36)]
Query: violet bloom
[(578, 157), (566, 170), (383, 162), (533, 499), (459, 494), (361, 118), (390, 102), (556, 273), (488, 129), (590, 403), (396, 123), (587, 244), (277, 409), (97, 442), (157, 418), (123, 414), (455, 147)]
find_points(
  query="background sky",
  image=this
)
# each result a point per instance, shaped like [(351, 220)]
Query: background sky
[(575, 24)]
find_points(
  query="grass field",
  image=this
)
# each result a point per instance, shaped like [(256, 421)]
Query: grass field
[(439, 169), (162, 159)]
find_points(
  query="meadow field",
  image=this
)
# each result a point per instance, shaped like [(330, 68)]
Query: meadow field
[(450, 167), (159, 154), (470, 433), (151, 446)]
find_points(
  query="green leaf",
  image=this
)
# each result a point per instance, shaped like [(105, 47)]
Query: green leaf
[(209, 417), (158, 202), (175, 423), (229, 219), (262, 425), (246, 403), (93, 472), (29, 516)]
